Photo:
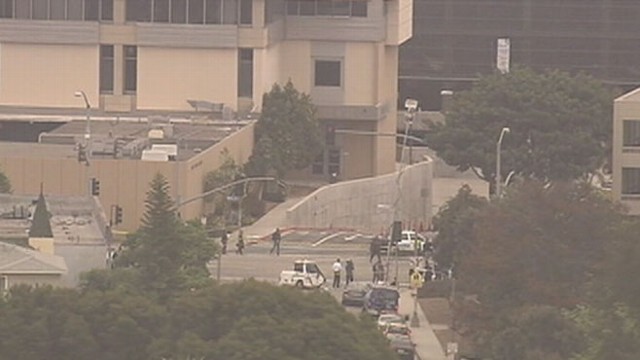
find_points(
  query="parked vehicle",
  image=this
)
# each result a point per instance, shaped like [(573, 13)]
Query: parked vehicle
[(391, 318), (355, 293), (396, 330), (407, 245), (305, 274), (404, 347), (380, 299)]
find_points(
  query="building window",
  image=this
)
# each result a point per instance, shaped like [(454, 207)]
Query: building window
[(178, 11), (91, 10), (631, 133), (106, 10), (328, 73), (196, 11), (245, 73), (354, 8), (631, 181), (106, 69), (130, 69), (246, 12), (213, 12), (4, 284), (229, 12), (23, 9), (74, 10), (138, 10), (6, 9), (161, 11), (58, 9)]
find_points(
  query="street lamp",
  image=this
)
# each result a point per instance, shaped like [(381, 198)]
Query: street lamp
[(498, 150), (87, 131)]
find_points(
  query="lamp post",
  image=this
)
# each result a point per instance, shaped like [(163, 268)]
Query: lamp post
[(498, 150)]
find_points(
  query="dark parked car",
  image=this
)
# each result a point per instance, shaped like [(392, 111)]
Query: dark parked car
[(381, 299), (354, 294)]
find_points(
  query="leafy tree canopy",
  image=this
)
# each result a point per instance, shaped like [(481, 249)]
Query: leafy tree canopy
[(287, 135), (560, 126), (5, 184), (245, 321), (168, 254)]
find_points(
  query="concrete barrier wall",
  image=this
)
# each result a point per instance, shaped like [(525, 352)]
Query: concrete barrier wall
[(370, 205)]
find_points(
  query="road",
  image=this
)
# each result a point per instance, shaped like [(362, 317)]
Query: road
[(321, 246)]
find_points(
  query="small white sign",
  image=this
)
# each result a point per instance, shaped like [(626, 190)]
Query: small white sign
[(504, 52)]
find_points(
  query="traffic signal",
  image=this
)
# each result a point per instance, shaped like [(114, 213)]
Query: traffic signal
[(82, 154), (118, 215), (95, 187), (330, 136), (396, 231)]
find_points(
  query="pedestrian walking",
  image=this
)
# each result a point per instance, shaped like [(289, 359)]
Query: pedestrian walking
[(375, 248), (276, 238), (337, 269), (224, 239), (349, 268), (240, 244), (378, 272)]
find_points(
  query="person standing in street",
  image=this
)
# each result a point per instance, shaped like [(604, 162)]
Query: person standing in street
[(224, 239), (240, 244), (276, 238), (349, 268), (337, 269)]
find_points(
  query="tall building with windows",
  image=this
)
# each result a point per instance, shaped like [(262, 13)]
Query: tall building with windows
[(455, 41), (137, 56), (625, 166)]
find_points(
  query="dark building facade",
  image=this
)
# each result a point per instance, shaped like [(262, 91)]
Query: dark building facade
[(455, 40)]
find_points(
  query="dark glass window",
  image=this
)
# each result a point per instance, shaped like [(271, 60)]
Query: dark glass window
[(91, 10), (631, 133), (292, 7), (307, 8), (245, 73), (323, 8), (213, 12), (631, 181), (6, 9), (246, 12), (359, 8), (106, 10), (179, 11), (230, 12), (341, 8), (130, 69), (57, 9), (333, 161), (161, 11), (74, 9), (327, 73), (318, 164), (106, 69), (40, 10), (23, 9), (196, 11), (138, 10)]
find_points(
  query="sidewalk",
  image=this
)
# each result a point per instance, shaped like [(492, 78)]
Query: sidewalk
[(427, 344)]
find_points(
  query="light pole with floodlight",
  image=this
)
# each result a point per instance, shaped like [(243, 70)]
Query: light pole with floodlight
[(498, 150), (87, 133)]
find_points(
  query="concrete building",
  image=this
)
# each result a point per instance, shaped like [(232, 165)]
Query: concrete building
[(125, 155), (626, 151), (455, 40), (150, 56)]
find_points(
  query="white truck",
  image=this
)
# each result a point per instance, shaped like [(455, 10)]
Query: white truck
[(305, 274)]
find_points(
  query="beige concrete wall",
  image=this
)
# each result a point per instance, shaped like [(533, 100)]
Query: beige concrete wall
[(48, 75), (360, 74), (167, 78), (266, 71), (32, 280), (367, 204), (399, 21), (239, 145), (296, 64)]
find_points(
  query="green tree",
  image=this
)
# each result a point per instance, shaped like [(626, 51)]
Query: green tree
[(168, 254), (540, 247), (455, 222), (287, 135), (560, 126), (217, 205), (5, 184)]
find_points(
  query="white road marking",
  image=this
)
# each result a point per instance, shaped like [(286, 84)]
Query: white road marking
[(326, 238), (350, 238)]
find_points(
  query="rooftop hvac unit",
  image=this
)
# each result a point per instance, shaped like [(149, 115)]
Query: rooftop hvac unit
[(170, 149), (154, 155), (156, 134)]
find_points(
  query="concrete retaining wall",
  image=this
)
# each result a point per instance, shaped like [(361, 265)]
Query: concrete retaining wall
[(369, 205)]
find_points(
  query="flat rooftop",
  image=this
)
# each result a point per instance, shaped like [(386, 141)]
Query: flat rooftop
[(72, 218)]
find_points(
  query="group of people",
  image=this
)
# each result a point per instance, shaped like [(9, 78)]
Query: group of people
[(349, 268), (276, 238)]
